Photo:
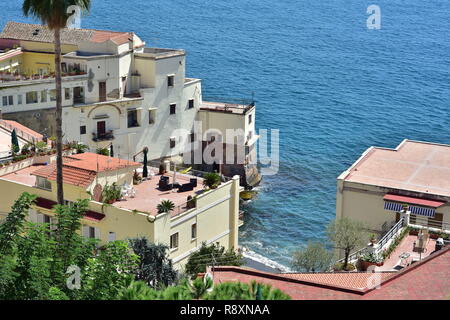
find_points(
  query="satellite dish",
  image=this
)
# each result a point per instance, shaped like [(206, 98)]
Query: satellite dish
[(97, 194)]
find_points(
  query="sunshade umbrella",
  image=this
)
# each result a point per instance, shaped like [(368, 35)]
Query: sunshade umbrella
[(111, 150), (144, 170)]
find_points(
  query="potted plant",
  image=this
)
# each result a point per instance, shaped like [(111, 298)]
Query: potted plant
[(371, 259), (111, 193), (405, 207), (165, 206), (162, 169), (136, 178), (373, 239), (211, 180)]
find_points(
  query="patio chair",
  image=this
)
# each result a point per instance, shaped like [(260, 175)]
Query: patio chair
[(193, 181), (164, 185)]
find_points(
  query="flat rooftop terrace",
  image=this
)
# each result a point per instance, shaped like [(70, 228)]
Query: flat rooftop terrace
[(414, 166), (226, 107), (148, 195)]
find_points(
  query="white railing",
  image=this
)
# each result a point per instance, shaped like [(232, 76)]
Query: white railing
[(21, 134)]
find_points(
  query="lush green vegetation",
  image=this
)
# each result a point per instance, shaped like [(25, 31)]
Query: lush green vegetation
[(347, 235), (314, 258), (212, 255), (39, 262), (211, 180)]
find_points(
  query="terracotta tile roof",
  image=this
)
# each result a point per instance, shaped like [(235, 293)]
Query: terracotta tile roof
[(73, 176), (98, 163), (81, 169), (427, 279), (40, 33), (350, 280)]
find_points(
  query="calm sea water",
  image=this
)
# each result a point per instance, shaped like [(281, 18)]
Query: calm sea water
[(330, 85)]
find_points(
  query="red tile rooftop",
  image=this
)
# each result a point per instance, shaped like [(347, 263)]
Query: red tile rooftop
[(428, 279), (415, 166), (148, 196)]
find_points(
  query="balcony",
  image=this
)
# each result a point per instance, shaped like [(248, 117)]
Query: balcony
[(16, 79), (107, 136)]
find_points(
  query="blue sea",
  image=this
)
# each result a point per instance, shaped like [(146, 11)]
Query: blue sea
[(318, 74)]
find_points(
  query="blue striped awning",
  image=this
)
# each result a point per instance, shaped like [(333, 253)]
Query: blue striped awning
[(393, 206), (421, 211)]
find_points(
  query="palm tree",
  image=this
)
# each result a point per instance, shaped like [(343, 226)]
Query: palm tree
[(53, 13), (165, 206)]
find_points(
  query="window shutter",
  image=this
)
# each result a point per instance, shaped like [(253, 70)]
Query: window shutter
[(112, 237), (32, 215), (40, 218), (97, 233), (86, 231)]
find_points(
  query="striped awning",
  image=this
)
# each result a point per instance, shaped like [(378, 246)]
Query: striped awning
[(417, 206), (421, 211), (392, 206)]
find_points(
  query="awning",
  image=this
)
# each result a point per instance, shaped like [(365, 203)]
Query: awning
[(45, 203), (49, 204), (94, 216), (412, 200), (418, 206)]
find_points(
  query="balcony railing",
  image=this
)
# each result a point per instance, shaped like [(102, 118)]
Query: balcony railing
[(9, 77), (109, 135)]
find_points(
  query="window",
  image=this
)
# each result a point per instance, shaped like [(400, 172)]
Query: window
[(173, 108), (43, 183), (151, 116), (44, 96), (91, 232), (172, 143), (8, 100), (32, 97), (249, 119), (52, 95), (68, 203), (174, 241), (19, 99), (111, 236), (82, 129), (67, 93), (133, 119), (170, 80), (194, 231), (191, 104)]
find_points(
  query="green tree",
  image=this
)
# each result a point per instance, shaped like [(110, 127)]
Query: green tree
[(212, 255), (55, 14), (165, 206), (13, 225), (155, 267), (199, 287), (347, 235), (138, 290), (111, 270), (243, 291), (314, 258)]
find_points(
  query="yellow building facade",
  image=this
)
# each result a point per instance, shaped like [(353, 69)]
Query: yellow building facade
[(213, 219)]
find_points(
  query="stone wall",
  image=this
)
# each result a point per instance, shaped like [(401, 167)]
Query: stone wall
[(42, 121)]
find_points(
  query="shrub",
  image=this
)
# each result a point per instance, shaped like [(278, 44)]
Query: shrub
[(211, 180)]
